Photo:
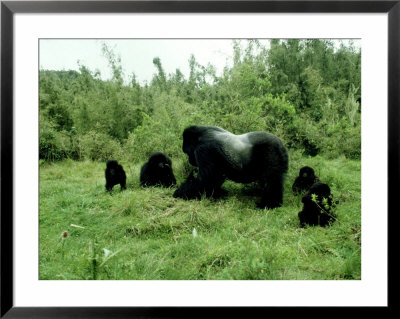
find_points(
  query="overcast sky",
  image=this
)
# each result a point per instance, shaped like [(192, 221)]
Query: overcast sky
[(136, 55)]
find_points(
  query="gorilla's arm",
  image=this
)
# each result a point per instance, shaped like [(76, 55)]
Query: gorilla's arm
[(209, 179), (210, 176), (122, 178), (144, 175), (296, 187)]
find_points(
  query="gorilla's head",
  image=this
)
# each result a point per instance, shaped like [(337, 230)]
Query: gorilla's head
[(159, 161), (112, 164), (306, 172), (190, 142), (113, 167)]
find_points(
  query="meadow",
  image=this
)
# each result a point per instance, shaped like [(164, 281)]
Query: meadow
[(146, 234)]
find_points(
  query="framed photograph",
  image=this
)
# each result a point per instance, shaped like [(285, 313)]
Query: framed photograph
[(165, 157)]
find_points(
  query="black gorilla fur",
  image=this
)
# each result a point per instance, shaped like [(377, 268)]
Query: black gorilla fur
[(189, 189), (246, 158), (157, 171), (115, 174), (318, 212), (305, 180)]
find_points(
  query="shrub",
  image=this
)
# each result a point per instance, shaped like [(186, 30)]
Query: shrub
[(152, 136), (346, 140), (53, 145), (100, 146)]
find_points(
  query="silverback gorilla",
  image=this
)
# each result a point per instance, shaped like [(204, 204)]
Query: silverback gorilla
[(115, 174), (245, 158)]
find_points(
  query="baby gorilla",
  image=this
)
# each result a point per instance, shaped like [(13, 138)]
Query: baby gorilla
[(115, 174), (317, 209), (305, 180), (157, 171)]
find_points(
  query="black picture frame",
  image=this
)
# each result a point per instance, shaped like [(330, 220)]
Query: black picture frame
[(9, 8)]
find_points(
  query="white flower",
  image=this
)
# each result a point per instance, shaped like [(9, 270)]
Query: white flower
[(194, 233)]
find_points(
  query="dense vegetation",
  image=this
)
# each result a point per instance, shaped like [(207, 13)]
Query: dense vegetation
[(307, 92)]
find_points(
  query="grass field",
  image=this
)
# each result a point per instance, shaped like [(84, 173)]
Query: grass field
[(145, 233)]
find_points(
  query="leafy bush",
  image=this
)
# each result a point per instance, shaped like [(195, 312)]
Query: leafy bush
[(53, 144), (347, 141), (152, 136), (100, 146)]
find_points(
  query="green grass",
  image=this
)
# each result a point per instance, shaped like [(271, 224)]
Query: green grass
[(144, 233)]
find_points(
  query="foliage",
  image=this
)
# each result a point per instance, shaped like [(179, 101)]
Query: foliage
[(305, 91), (99, 146)]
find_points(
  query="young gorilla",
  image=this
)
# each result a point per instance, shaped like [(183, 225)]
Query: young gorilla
[(157, 171), (115, 174), (245, 158), (305, 180), (318, 209)]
